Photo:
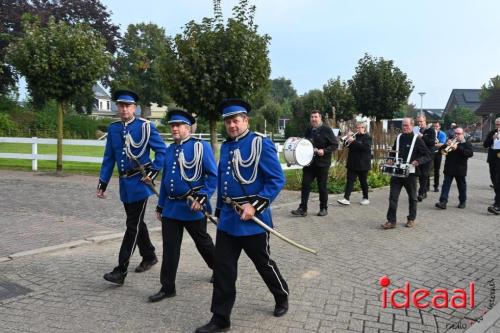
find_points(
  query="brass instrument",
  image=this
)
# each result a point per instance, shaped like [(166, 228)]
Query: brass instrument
[(348, 138), (450, 148)]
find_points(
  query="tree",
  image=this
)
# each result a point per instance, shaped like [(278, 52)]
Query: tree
[(137, 64), (493, 84), (461, 116), (282, 90), (338, 94), (301, 108), (379, 88), (59, 61), (271, 113), (73, 12), (216, 60)]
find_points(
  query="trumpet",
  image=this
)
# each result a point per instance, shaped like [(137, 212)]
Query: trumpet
[(451, 147), (348, 138)]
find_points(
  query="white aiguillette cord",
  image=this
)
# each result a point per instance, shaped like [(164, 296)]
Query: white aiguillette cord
[(254, 159), (196, 163)]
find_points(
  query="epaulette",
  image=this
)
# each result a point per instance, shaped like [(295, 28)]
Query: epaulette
[(116, 121), (260, 134), (143, 119)]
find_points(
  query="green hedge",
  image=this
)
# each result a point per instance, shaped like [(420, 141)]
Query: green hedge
[(336, 184)]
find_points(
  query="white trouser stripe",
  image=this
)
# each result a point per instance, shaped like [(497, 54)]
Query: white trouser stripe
[(137, 229), (268, 258)]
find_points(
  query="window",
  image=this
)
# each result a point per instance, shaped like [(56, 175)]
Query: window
[(107, 105)]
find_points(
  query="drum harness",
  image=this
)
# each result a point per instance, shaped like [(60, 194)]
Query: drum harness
[(410, 152)]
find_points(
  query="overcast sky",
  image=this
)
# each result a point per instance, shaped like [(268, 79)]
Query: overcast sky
[(441, 45)]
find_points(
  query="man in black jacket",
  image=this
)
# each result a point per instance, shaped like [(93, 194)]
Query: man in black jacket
[(428, 135), (358, 163), (455, 167), (325, 143), (489, 143), (412, 146)]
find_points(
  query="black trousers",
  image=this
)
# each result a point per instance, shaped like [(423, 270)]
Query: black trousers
[(135, 235), (461, 185), (496, 184), (423, 179), (227, 252), (493, 173), (410, 185), (172, 231), (437, 167), (308, 175), (351, 178)]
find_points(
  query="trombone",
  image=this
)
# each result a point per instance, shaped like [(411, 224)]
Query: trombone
[(348, 138)]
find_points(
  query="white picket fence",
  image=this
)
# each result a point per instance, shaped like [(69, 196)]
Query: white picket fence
[(35, 157)]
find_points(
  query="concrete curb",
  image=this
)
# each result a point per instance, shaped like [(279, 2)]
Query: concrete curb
[(69, 245), (488, 321)]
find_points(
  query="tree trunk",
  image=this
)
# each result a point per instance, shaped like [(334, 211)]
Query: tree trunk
[(60, 125), (213, 134)]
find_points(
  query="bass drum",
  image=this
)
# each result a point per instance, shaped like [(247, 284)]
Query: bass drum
[(298, 151)]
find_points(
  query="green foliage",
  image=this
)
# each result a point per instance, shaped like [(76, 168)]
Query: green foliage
[(494, 83), (7, 126), (214, 60), (338, 94), (282, 90), (271, 112), (336, 183), (301, 108), (59, 61), (462, 116), (138, 63), (379, 88)]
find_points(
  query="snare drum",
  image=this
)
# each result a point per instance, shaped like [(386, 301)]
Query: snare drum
[(399, 170), (298, 151)]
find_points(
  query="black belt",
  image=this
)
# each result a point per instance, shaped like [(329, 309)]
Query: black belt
[(132, 172), (185, 195)]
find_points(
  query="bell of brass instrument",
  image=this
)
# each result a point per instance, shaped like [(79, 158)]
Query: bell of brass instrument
[(346, 137), (449, 148)]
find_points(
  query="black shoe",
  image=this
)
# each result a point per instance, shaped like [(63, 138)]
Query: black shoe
[(461, 205), (494, 210), (441, 205), (212, 328), (161, 295), (280, 309), (323, 212), (420, 198), (299, 212), (116, 276), (145, 265), (436, 189)]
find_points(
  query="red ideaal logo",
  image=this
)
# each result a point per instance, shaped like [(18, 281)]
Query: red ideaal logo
[(440, 297)]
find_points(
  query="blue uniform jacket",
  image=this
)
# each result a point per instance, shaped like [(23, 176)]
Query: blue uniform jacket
[(261, 193), (131, 188), (174, 186)]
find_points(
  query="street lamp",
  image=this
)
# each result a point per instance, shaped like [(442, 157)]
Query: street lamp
[(421, 103)]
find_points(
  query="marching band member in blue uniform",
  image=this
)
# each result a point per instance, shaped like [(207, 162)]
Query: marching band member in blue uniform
[(189, 170), (128, 145), (249, 173)]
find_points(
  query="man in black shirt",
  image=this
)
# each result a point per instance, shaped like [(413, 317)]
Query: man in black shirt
[(489, 143), (325, 143), (419, 154), (455, 166), (428, 135)]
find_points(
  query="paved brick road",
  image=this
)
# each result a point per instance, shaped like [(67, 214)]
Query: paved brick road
[(336, 291)]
